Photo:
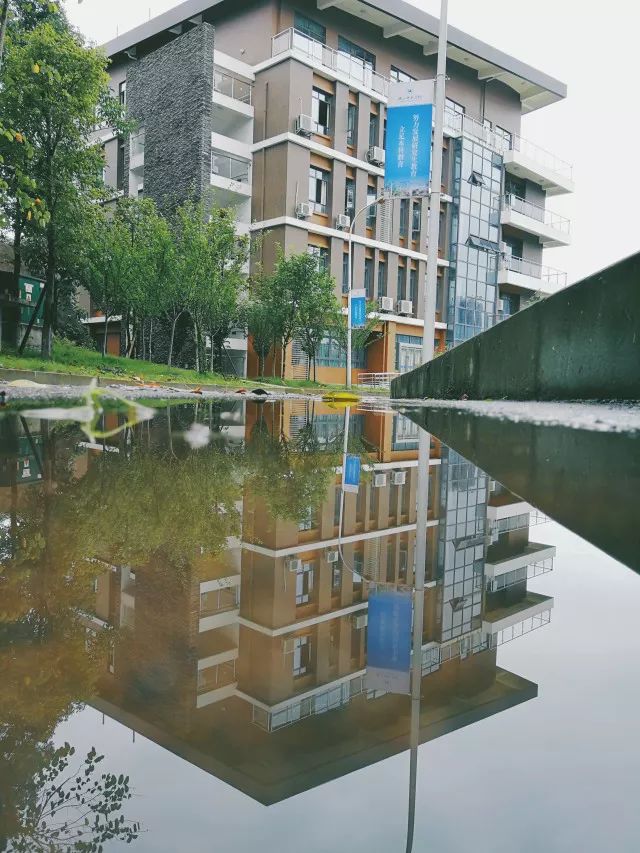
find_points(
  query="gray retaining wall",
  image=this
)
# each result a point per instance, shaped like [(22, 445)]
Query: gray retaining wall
[(582, 343)]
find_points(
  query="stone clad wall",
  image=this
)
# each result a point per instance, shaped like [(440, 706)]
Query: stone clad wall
[(582, 343), (170, 94)]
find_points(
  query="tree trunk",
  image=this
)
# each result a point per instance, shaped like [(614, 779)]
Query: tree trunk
[(14, 314), (261, 365), (150, 338), (46, 349), (196, 335), (3, 28), (172, 338), (106, 333), (211, 357)]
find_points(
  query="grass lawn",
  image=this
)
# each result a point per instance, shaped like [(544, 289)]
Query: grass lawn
[(68, 358)]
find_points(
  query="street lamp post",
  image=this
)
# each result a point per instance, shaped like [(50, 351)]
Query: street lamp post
[(362, 210)]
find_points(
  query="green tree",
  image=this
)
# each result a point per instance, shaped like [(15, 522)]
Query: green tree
[(208, 261), (286, 291), (262, 329), (58, 90), (318, 310)]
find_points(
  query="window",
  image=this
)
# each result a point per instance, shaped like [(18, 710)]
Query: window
[(301, 656), (321, 254), (514, 246), (336, 578), (402, 282), (348, 47), (413, 289), (321, 109), (350, 198), (310, 28), (352, 125), (374, 130), (416, 221), (120, 164), (345, 272), (404, 217), (515, 186), (304, 583), (373, 503), (372, 210), (368, 277), (307, 522), (454, 106), (318, 189), (382, 279), (122, 93), (476, 179), (331, 354), (337, 502), (398, 76), (504, 135)]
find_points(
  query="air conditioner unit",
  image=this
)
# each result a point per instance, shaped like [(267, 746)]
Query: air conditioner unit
[(343, 222), (405, 306), (385, 303), (399, 478), (304, 125), (379, 480), (294, 564), (505, 249), (303, 210), (333, 556), (375, 156), (500, 304), (360, 621)]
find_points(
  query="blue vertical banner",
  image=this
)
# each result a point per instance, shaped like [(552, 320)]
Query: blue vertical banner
[(409, 131), (351, 473), (389, 641), (358, 312)]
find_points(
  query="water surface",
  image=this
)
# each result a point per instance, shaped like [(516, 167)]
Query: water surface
[(189, 597)]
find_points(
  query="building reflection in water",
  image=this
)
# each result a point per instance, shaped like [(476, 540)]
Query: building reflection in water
[(236, 634)]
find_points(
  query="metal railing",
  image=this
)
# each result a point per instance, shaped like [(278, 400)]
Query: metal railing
[(461, 123), (226, 166), (337, 61), (232, 87), (376, 380), (522, 266), (535, 211)]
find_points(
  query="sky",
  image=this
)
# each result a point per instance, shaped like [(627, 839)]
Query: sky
[(592, 47)]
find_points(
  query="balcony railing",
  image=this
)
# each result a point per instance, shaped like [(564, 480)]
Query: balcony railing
[(225, 166), (337, 61), (232, 87), (537, 212), (549, 275), (461, 123)]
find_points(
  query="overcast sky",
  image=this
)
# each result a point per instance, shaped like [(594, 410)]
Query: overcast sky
[(592, 47)]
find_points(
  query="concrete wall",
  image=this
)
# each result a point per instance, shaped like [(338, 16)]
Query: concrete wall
[(581, 343)]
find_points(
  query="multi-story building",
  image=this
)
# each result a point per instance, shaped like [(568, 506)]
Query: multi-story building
[(279, 108)]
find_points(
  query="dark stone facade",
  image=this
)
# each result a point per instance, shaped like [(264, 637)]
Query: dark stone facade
[(170, 94)]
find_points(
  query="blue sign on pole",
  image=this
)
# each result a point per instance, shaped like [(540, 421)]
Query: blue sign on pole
[(351, 473), (408, 146), (389, 641), (358, 312)]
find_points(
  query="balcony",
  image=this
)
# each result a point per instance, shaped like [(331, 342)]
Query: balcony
[(530, 276), (232, 106), (352, 70), (238, 91), (532, 553), (550, 228), (231, 176), (521, 157), (533, 607)]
